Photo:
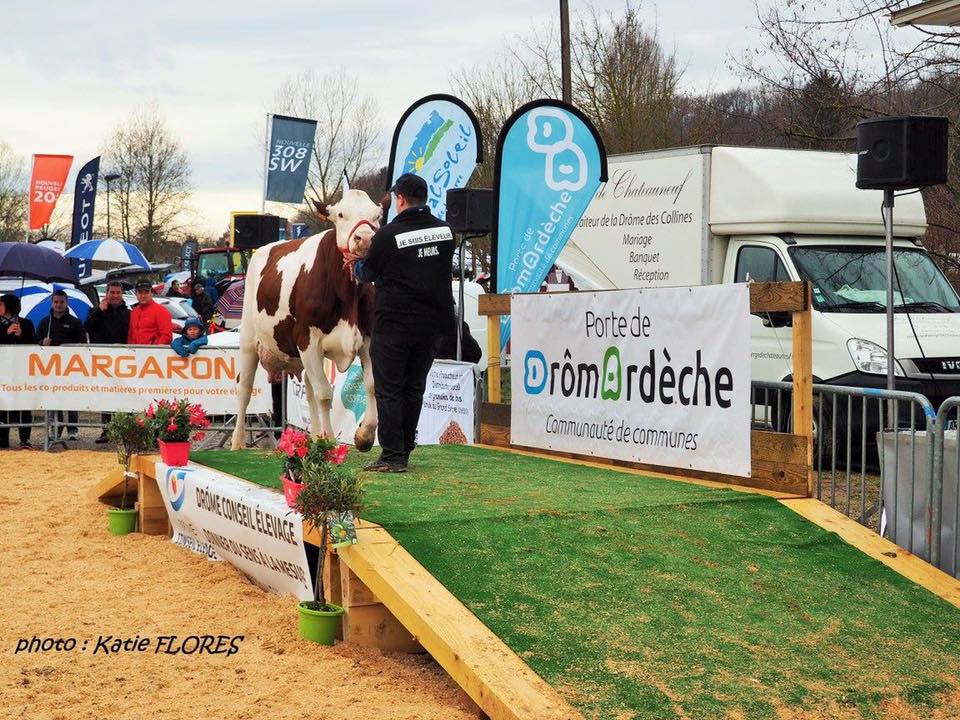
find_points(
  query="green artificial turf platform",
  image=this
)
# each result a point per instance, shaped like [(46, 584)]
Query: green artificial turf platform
[(640, 597)]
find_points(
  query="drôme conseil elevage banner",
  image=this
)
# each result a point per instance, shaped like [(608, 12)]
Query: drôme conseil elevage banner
[(657, 376)]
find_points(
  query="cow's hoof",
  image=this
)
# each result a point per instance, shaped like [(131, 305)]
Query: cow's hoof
[(363, 439)]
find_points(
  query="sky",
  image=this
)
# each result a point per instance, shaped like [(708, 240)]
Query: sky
[(71, 73)]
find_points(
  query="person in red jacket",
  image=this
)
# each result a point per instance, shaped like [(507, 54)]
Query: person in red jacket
[(150, 323)]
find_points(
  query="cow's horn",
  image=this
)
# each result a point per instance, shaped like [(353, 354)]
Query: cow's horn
[(322, 209)]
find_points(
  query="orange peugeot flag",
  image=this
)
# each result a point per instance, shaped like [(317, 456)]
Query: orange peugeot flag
[(46, 183)]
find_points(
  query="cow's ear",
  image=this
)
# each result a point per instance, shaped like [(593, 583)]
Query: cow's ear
[(385, 207), (323, 210)]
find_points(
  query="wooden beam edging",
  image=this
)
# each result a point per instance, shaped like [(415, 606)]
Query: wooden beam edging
[(868, 542), (494, 676), (764, 297)]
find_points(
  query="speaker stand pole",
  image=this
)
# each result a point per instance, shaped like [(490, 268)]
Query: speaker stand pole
[(891, 280), (463, 241)]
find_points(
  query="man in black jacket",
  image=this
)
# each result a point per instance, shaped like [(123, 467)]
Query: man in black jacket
[(202, 302), (62, 328), (410, 260), (107, 324), (15, 330)]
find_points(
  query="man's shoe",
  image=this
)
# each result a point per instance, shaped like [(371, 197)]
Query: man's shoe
[(384, 467), (26, 446), (73, 436), (102, 439)]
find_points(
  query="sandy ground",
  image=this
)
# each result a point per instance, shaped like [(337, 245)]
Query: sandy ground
[(62, 575)]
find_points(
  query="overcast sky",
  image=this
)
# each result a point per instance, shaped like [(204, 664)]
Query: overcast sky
[(72, 70)]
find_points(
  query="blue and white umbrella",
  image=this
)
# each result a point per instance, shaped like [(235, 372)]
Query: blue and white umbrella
[(36, 300), (108, 250)]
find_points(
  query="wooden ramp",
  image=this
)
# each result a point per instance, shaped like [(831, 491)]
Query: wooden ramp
[(494, 676), (392, 602)]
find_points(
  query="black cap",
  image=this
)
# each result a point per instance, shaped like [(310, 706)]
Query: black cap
[(410, 186), (143, 285)]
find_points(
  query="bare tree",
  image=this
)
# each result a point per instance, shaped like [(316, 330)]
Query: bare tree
[(827, 67), (154, 185), (621, 76), (13, 195), (348, 130)]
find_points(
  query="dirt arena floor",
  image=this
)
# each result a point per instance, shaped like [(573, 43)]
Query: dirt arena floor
[(63, 576)]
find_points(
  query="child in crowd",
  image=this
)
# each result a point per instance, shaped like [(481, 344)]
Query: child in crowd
[(192, 338)]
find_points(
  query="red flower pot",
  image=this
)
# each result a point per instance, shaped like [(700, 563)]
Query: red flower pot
[(290, 490), (174, 453)]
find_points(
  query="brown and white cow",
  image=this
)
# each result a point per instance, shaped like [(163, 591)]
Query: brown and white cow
[(301, 305)]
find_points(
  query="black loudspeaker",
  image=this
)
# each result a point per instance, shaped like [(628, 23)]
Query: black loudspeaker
[(470, 210), (901, 152), (253, 231)]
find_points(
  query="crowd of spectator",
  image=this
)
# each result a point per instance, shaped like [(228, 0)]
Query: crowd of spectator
[(110, 322)]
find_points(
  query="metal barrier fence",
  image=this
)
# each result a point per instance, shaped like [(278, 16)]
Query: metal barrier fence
[(882, 458)]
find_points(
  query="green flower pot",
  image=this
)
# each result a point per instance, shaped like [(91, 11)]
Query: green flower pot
[(319, 626), (122, 522)]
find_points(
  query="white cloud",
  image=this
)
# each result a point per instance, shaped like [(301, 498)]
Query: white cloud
[(213, 66)]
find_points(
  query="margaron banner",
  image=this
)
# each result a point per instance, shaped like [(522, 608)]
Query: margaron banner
[(228, 519), (657, 376), (437, 138), (105, 378)]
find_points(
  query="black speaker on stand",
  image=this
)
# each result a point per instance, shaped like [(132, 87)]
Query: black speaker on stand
[(896, 153), (470, 215)]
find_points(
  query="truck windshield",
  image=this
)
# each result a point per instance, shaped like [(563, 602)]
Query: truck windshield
[(854, 279)]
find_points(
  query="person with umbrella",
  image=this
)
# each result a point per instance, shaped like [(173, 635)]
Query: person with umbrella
[(15, 330), (108, 324), (62, 328)]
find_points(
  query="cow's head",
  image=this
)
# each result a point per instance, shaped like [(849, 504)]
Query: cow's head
[(355, 218)]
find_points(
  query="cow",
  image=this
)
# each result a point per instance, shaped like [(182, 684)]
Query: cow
[(301, 305)]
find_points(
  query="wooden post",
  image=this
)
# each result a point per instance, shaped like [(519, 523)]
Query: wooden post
[(803, 380), (493, 358)]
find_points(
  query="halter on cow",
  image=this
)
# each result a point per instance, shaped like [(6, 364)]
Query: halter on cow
[(301, 305)]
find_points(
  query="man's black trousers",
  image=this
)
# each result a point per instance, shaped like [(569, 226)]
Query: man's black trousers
[(401, 363)]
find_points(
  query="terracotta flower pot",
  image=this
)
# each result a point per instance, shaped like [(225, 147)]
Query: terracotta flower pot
[(174, 453), (291, 489)]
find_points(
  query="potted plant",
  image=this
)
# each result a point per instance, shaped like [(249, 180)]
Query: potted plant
[(331, 496), (131, 434), (294, 447), (174, 421)]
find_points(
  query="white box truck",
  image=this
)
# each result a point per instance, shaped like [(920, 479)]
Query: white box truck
[(692, 216)]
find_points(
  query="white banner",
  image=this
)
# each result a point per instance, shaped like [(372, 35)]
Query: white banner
[(249, 526), (644, 227), (660, 376), (106, 378), (447, 416)]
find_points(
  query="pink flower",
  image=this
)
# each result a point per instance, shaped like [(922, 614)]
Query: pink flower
[(150, 411), (140, 422), (172, 426), (301, 451), (199, 436), (338, 454)]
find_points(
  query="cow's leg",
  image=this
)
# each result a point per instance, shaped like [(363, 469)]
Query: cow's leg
[(248, 368), (364, 437), (319, 392)]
